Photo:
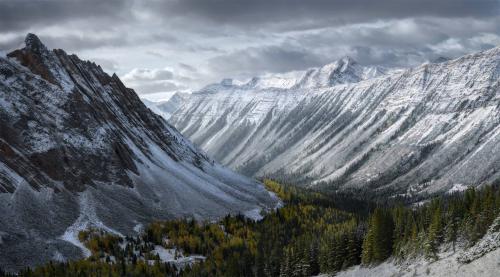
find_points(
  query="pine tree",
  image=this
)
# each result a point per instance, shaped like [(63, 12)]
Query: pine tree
[(353, 250), (324, 256), (286, 265), (434, 234), (368, 246), (331, 255), (313, 262), (378, 242), (305, 263), (452, 227)]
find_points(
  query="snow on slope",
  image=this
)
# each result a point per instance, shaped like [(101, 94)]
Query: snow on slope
[(78, 149), (486, 266), (345, 70), (427, 127), (176, 257), (483, 259), (166, 108)]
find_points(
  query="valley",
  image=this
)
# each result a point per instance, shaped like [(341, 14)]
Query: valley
[(389, 166)]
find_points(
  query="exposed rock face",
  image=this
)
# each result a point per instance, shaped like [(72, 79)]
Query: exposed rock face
[(423, 129), (79, 149)]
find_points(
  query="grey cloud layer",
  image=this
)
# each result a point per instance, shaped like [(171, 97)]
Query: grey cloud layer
[(264, 11), (19, 15), (202, 41)]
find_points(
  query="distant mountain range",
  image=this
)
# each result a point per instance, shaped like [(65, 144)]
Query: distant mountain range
[(166, 108), (79, 150), (431, 128)]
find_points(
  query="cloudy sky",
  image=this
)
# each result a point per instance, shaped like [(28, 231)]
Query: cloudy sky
[(159, 47)]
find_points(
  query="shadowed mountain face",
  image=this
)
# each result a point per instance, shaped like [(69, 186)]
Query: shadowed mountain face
[(428, 128), (78, 149)]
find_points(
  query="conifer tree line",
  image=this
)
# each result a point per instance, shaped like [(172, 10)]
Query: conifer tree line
[(310, 234)]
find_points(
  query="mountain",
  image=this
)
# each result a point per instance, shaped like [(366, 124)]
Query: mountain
[(441, 60), (166, 108), (79, 150), (345, 70), (430, 128), (342, 71)]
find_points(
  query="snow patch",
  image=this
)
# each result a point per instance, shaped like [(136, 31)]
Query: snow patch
[(88, 219), (174, 256), (254, 214), (457, 188), (138, 228), (483, 259), (488, 243), (58, 256)]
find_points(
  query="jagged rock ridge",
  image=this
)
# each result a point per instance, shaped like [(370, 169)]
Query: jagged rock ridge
[(78, 149)]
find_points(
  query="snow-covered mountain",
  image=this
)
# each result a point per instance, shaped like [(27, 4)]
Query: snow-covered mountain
[(78, 149), (342, 71), (345, 70), (166, 108), (427, 128)]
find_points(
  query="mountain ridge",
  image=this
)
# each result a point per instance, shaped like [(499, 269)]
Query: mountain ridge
[(79, 150), (343, 70), (408, 120)]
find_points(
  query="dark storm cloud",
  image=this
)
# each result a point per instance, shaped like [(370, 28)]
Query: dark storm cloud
[(78, 42), (67, 42), (187, 43), (18, 15), (256, 12), (24, 14)]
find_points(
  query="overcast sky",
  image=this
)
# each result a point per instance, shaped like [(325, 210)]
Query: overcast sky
[(175, 45)]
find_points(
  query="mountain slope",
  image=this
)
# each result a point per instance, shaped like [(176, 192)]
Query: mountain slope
[(478, 260), (166, 108), (78, 149), (423, 129)]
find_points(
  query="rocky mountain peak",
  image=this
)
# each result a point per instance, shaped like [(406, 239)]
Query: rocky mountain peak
[(347, 61), (38, 59), (34, 44), (341, 71), (341, 64), (78, 149)]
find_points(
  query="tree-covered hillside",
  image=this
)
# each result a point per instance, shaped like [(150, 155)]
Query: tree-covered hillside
[(312, 233)]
